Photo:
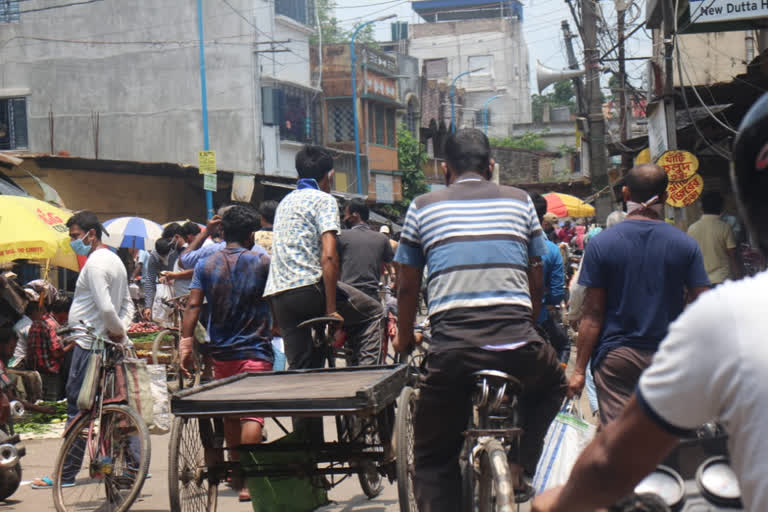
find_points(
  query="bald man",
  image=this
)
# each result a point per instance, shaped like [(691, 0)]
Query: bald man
[(636, 275)]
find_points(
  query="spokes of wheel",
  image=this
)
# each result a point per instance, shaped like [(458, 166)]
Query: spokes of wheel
[(189, 486), (406, 410), (107, 460)]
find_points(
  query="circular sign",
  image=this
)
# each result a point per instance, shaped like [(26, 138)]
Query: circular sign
[(643, 157), (680, 165), (683, 193)]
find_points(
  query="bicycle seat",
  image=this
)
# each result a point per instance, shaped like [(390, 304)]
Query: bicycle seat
[(315, 322), (494, 385)]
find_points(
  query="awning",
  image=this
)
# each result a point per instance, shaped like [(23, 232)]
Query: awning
[(292, 186), (380, 219)]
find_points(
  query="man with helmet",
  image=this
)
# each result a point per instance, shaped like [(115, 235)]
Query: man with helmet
[(711, 366)]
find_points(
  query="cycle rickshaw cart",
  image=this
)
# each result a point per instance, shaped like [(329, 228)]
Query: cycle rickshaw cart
[(363, 401)]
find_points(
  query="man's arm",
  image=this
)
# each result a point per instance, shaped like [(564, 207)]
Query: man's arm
[(188, 324), (619, 457), (590, 326), (408, 288), (536, 285), (330, 263)]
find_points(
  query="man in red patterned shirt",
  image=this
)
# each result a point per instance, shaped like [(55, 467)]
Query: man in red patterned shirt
[(45, 352)]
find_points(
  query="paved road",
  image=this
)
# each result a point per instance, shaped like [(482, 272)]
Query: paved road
[(41, 453)]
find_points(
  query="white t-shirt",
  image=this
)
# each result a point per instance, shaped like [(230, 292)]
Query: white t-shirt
[(22, 331), (101, 297), (713, 365)]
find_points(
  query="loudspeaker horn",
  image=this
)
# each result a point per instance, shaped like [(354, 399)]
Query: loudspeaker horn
[(547, 76)]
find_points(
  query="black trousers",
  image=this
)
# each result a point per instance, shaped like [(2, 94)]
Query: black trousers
[(445, 406), (558, 338)]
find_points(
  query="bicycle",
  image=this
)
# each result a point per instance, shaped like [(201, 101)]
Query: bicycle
[(104, 459), (165, 349)]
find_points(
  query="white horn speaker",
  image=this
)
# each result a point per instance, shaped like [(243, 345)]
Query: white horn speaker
[(547, 76)]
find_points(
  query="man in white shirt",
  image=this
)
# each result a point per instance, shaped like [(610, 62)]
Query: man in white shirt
[(711, 366), (101, 300)]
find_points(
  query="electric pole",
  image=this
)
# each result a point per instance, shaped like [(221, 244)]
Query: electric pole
[(573, 64), (596, 135), (626, 160)]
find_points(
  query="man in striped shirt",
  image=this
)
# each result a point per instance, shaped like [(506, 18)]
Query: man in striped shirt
[(482, 245)]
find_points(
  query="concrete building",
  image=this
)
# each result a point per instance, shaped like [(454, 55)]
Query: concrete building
[(379, 111), (460, 36), (121, 81)]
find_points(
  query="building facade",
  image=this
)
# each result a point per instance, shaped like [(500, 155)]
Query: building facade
[(458, 37)]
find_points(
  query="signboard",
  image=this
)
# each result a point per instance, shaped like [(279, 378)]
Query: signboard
[(708, 11), (683, 193), (658, 139), (384, 189), (680, 165), (206, 162), (643, 157), (209, 182)]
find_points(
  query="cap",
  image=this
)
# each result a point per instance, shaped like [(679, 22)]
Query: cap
[(384, 229), (550, 217)]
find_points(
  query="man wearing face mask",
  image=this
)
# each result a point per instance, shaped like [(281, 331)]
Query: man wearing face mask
[(161, 259), (636, 275), (363, 252)]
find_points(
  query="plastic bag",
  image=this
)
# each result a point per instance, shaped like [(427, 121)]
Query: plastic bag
[(139, 388), (162, 314), (566, 438), (161, 410), (91, 382)]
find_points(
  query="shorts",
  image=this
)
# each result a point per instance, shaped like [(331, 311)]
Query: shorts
[(224, 369)]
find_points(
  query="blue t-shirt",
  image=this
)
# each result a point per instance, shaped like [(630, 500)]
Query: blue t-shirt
[(239, 321), (554, 279), (644, 266)]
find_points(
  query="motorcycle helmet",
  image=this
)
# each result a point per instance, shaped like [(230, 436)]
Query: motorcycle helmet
[(749, 172)]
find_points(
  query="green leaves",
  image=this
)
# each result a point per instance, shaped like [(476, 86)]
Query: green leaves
[(528, 140)]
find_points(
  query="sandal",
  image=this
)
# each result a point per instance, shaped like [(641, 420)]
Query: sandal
[(47, 483), (244, 495)]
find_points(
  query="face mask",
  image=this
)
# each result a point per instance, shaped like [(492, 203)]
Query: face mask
[(80, 247), (652, 204)]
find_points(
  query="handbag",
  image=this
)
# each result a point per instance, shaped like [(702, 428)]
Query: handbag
[(90, 386), (566, 438), (139, 388)]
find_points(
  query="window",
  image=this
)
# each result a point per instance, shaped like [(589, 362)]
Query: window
[(380, 128), (9, 11), (484, 63), (297, 10), (479, 121), (391, 127), (340, 121), (412, 117), (436, 68), (13, 123), (293, 110)]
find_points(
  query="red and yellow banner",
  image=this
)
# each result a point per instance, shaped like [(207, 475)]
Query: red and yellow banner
[(680, 165), (683, 193)]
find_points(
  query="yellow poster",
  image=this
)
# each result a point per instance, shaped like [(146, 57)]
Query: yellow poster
[(206, 162), (683, 193), (680, 165), (643, 157)]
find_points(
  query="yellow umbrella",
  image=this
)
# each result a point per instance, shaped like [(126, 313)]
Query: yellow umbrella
[(564, 205), (34, 230)]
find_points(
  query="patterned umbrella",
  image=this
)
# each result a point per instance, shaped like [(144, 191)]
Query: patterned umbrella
[(564, 205), (132, 232)]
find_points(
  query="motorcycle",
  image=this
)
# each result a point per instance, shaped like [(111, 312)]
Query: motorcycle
[(11, 447)]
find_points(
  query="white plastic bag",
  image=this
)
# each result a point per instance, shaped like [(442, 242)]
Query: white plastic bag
[(161, 411), (566, 438), (162, 314)]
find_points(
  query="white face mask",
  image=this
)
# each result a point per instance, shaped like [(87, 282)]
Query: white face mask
[(654, 204)]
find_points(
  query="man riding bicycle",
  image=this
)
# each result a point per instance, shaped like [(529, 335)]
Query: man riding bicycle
[(711, 366), (482, 245)]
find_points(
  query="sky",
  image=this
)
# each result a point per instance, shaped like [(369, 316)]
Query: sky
[(541, 25)]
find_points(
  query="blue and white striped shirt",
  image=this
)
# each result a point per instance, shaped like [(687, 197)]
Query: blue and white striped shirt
[(476, 239)]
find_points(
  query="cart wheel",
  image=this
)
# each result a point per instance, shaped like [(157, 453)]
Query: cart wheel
[(406, 410), (371, 480), (190, 488)]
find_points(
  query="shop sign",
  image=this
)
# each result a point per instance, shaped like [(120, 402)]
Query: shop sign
[(680, 165), (206, 162), (708, 11), (684, 193)]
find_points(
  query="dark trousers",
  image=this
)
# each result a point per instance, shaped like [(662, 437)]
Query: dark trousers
[(445, 408), (616, 378), (362, 322), (558, 338)]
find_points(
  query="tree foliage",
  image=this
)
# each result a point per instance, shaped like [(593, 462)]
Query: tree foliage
[(562, 96), (331, 29), (528, 140), (411, 157)]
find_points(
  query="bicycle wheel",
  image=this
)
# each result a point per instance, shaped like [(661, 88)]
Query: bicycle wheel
[(406, 409), (188, 488), (371, 480), (107, 460), (495, 492)]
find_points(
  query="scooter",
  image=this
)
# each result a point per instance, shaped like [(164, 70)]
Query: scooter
[(11, 447)]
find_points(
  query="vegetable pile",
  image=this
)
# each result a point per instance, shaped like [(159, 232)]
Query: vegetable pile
[(40, 423)]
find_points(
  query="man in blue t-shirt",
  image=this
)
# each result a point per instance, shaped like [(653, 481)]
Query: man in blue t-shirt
[(238, 322), (636, 275)]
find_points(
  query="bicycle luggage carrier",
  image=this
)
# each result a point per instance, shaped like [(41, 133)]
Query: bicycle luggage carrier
[(362, 390)]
